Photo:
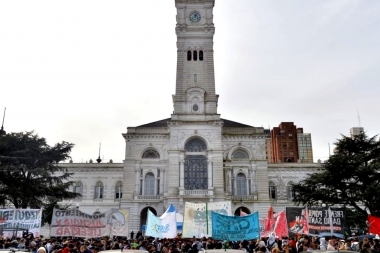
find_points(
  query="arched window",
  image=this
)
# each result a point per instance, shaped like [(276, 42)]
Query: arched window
[(195, 145), (151, 154), (196, 175), (149, 184), (78, 188), (241, 184), (289, 190), (272, 190), (201, 55), (189, 55), (195, 55), (98, 191), (119, 190), (240, 154)]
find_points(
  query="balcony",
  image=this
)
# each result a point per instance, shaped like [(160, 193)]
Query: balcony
[(195, 192), (147, 197), (244, 198)]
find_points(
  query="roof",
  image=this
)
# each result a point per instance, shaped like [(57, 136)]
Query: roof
[(230, 123), (164, 123), (160, 123)]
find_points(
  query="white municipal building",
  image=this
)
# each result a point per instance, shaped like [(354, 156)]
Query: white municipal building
[(194, 155)]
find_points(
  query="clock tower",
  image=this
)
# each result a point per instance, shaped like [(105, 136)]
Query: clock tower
[(195, 97)]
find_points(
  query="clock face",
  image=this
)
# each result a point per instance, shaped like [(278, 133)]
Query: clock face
[(195, 17)]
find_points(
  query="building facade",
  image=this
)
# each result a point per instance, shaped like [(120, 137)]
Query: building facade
[(290, 144), (194, 155), (356, 131)]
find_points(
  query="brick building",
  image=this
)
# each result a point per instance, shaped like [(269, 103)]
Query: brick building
[(290, 144)]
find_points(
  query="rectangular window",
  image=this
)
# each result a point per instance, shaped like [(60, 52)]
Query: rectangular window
[(118, 192), (98, 192), (149, 187), (272, 192), (241, 188), (289, 192), (195, 78), (78, 189)]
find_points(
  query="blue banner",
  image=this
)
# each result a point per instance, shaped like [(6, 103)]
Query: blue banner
[(235, 228)]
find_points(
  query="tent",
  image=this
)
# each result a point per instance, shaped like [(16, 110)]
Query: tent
[(178, 216)]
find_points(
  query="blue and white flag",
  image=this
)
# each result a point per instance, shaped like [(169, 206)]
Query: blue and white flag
[(235, 228), (163, 227)]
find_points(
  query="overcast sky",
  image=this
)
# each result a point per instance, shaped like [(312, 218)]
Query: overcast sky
[(83, 71)]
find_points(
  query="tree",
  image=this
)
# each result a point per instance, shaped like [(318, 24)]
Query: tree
[(349, 178), (30, 175)]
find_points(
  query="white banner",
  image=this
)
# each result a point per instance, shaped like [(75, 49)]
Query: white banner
[(13, 220), (74, 222), (163, 227), (197, 217)]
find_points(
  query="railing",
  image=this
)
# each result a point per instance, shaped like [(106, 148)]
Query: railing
[(244, 197), (148, 197), (195, 192)]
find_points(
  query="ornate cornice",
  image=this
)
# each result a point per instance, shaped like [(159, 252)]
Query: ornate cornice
[(146, 136)]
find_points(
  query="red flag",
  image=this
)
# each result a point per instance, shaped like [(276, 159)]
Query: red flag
[(373, 224), (281, 226), (242, 213), (269, 221)]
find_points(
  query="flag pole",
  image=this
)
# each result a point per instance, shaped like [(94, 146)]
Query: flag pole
[(207, 219)]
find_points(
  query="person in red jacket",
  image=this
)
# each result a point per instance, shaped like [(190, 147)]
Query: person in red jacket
[(66, 248)]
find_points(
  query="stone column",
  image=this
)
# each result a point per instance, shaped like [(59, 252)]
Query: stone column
[(253, 178), (209, 174), (162, 178), (233, 184), (182, 173), (137, 176), (228, 188), (247, 187)]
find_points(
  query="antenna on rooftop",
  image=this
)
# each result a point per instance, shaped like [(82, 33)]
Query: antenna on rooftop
[(359, 118), (329, 149), (2, 125), (99, 160)]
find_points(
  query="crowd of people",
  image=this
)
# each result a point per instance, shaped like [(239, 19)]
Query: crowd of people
[(189, 245)]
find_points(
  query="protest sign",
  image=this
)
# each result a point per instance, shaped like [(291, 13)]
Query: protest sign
[(21, 220), (235, 228), (74, 222)]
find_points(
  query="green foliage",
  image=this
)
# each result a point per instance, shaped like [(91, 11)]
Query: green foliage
[(349, 178), (30, 175)]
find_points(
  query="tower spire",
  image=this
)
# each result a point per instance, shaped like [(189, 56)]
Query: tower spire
[(99, 160), (2, 132)]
